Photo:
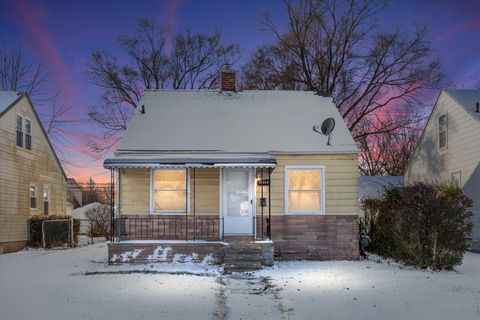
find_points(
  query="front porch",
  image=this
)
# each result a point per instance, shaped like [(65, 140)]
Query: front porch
[(195, 210)]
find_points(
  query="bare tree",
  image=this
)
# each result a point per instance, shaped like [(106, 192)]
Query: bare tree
[(192, 61), (389, 153), (99, 218), (335, 47), (17, 73)]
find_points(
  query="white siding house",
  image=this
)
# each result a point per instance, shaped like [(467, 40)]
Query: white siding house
[(449, 149)]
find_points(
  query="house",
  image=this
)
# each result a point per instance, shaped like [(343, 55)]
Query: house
[(32, 181), (373, 186), (235, 167), (74, 193), (449, 149)]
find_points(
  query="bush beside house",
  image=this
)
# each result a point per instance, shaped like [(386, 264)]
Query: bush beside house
[(422, 225)]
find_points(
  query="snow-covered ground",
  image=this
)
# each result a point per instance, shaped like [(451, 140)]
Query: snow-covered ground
[(78, 284)]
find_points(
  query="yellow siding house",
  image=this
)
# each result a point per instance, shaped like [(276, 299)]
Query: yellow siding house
[(32, 181), (237, 166)]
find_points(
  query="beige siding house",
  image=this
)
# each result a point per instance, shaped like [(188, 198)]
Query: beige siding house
[(32, 181), (449, 149), (237, 166)]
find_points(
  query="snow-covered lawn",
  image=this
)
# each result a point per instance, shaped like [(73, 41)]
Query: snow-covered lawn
[(78, 284)]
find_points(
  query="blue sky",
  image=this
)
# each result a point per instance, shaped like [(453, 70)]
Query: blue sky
[(62, 34)]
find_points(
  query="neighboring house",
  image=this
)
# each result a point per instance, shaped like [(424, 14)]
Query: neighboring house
[(374, 186), (237, 166), (449, 149), (74, 193), (32, 181)]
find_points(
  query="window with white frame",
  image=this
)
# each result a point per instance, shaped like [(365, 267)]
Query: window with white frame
[(33, 196), (455, 178), (442, 131), (28, 134), (19, 131), (46, 200), (170, 191), (24, 132), (304, 189)]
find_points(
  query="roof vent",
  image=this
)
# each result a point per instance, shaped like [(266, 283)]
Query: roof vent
[(228, 79)]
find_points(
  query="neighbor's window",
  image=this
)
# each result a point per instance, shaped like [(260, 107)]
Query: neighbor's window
[(304, 189), (28, 134), (33, 196), (456, 178), (19, 131), (46, 200), (442, 131), (169, 190)]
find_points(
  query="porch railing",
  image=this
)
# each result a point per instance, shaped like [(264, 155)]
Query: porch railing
[(168, 228)]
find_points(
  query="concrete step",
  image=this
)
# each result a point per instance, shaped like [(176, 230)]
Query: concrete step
[(232, 270), (250, 255), (241, 267), (243, 257), (246, 259)]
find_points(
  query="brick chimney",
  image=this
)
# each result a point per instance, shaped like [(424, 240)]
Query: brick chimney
[(228, 79)]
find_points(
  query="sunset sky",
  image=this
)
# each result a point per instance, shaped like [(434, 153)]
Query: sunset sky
[(62, 34)]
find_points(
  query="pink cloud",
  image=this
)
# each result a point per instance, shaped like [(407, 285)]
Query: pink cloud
[(33, 20), (81, 143), (170, 19)]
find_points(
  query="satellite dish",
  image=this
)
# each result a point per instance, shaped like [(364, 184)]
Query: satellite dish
[(326, 128)]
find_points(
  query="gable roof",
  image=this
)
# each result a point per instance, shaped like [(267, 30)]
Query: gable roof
[(234, 122), (467, 99), (8, 99), (373, 186)]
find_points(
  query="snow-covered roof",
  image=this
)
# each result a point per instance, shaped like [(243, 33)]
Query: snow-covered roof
[(373, 186), (79, 213), (132, 160), (467, 99), (7, 98), (234, 122)]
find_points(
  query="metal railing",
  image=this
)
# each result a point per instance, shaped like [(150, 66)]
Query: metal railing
[(263, 229), (168, 228)]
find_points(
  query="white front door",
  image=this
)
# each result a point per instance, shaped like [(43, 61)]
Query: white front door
[(237, 201)]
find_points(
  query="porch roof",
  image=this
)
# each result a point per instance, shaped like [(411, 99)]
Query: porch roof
[(203, 160)]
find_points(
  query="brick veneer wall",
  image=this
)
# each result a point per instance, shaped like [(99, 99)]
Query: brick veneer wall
[(315, 237), (295, 237)]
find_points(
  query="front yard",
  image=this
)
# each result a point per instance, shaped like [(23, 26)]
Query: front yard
[(78, 284)]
